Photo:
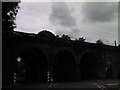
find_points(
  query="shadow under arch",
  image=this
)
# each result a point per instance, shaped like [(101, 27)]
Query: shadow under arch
[(65, 68), (88, 67), (34, 65)]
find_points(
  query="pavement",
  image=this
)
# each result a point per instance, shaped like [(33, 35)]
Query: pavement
[(83, 85)]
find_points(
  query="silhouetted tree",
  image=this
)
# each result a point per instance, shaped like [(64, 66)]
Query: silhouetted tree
[(99, 41), (82, 39), (9, 12), (65, 37), (57, 36), (46, 34)]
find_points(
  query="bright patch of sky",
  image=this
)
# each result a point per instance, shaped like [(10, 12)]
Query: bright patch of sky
[(91, 20)]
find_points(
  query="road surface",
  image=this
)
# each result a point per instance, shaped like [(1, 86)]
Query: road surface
[(83, 85)]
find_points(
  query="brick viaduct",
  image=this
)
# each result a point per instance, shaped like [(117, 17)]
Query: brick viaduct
[(68, 60)]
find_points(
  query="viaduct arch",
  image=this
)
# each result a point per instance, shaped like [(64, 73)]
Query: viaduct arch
[(33, 65), (65, 67), (89, 66)]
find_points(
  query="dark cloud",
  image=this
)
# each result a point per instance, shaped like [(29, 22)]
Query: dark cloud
[(100, 11), (62, 15)]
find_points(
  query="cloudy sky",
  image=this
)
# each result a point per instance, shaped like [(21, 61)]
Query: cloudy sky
[(92, 20)]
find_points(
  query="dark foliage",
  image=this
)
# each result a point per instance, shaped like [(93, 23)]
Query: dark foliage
[(99, 42), (46, 34), (65, 37), (9, 12), (81, 39)]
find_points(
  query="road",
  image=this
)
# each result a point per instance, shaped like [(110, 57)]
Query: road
[(87, 85)]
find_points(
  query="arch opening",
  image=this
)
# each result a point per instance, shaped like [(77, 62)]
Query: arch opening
[(32, 66), (64, 70), (88, 67)]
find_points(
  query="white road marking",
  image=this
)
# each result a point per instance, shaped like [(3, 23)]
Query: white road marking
[(112, 84), (50, 85), (99, 86)]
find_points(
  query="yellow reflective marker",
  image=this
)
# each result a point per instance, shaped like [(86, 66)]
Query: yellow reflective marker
[(14, 77), (15, 74), (51, 79), (14, 80), (48, 77)]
